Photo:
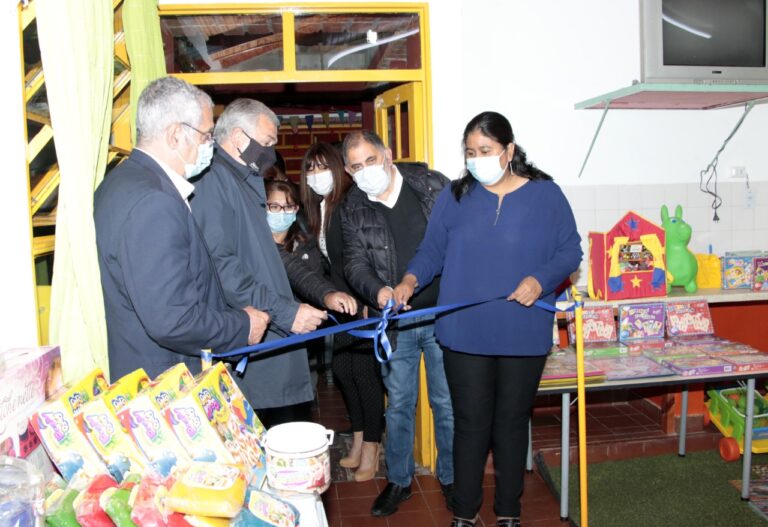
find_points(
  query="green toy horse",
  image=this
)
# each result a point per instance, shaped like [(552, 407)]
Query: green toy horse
[(681, 263)]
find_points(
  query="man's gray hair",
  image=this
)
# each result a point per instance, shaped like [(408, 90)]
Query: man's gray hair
[(167, 101), (353, 139), (244, 114)]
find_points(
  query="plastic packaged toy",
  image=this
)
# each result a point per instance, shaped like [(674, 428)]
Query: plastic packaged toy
[(152, 433), (110, 440), (170, 384), (126, 388), (65, 443), (195, 432), (87, 507), (208, 489)]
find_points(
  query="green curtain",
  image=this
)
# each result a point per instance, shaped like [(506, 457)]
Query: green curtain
[(141, 24), (76, 44)]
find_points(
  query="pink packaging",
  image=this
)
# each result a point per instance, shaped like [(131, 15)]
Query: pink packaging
[(27, 378)]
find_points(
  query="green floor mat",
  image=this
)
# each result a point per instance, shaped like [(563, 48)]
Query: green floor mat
[(661, 491)]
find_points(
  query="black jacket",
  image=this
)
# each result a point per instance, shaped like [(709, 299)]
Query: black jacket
[(369, 249), (229, 204), (305, 267)]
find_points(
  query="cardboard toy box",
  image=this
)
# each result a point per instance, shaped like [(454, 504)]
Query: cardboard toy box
[(27, 378), (628, 260)]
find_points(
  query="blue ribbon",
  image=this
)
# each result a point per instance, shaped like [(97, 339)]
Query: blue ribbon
[(381, 345)]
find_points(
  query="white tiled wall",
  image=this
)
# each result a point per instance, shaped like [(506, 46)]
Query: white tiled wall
[(741, 227)]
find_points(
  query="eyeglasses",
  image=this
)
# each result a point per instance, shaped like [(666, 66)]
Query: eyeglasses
[(277, 207), (207, 136)]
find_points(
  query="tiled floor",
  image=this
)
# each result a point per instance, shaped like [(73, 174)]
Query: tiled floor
[(615, 430)]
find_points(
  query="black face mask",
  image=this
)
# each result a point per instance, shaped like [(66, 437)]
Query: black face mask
[(258, 157)]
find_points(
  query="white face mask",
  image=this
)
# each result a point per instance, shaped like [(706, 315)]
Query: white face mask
[(321, 182), (373, 180), (486, 169), (204, 156)]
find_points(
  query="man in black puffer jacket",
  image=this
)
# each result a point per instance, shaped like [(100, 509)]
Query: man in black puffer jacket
[(383, 219)]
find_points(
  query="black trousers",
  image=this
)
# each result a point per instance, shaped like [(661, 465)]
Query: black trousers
[(359, 377), (492, 400)]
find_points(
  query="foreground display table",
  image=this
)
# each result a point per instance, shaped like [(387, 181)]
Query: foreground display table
[(672, 380)]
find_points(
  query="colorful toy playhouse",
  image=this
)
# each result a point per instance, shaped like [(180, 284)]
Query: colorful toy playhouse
[(628, 260)]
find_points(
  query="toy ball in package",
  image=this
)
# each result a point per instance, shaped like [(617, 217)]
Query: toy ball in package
[(195, 432), (126, 388), (65, 443), (226, 409), (208, 489), (170, 384), (108, 437), (88, 507), (152, 433)]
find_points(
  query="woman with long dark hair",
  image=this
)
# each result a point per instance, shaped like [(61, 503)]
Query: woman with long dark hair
[(503, 226), (324, 184)]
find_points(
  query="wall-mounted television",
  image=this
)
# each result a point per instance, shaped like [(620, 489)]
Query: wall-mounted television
[(704, 41)]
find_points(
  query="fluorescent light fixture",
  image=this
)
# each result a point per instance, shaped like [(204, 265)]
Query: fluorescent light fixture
[(368, 45)]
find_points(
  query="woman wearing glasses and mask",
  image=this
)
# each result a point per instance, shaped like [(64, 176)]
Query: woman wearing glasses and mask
[(504, 229), (298, 250)]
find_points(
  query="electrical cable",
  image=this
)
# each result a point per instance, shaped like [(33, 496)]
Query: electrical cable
[(711, 169)]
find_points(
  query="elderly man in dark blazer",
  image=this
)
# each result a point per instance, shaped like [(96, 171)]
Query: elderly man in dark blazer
[(162, 296), (230, 207)]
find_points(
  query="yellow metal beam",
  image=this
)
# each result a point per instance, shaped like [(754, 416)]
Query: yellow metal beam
[(297, 8), (267, 77), (28, 14), (44, 220), (42, 245), (289, 42), (33, 81), (121, 51), (121, 81), (38, 142), (37, 118), (44, 188)]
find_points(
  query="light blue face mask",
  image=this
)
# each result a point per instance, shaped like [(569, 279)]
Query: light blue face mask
[(280, 221), (204, 156)]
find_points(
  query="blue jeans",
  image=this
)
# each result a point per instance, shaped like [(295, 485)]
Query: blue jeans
[(401, 378)]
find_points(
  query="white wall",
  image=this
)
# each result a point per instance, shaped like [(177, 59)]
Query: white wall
[(18, 325), (532, 61)]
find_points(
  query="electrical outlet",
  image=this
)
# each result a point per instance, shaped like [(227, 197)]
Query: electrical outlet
[(738, 172)]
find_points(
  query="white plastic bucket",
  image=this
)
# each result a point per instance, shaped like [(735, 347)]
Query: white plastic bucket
[(297, 457)]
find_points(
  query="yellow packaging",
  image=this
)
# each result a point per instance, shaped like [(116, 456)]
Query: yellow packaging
[(110, 440), (202, 521), (65, 443), (170, 384), (195, 433), (152, 433), (208, 489), (709, 275), (77, 393), (223, 405), (126, 388)]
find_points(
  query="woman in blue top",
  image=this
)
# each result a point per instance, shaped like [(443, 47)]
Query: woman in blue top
[(504, 226)]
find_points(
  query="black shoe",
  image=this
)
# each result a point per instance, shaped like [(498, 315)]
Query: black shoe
[(447, 491), (508, 522), (459, 522), (390, 498)]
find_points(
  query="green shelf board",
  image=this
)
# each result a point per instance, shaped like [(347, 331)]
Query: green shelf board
[(652, 96)]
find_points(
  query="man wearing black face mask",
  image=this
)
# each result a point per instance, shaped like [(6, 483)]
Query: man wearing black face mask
[(229, 203)]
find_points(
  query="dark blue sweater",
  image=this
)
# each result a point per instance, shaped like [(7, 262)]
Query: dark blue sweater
[(484, 253)]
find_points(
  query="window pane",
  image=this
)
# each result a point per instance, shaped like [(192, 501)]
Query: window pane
[(203, 43), (358, 42)]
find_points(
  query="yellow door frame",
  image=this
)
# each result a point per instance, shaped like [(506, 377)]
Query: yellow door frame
[(425, 452), (289, 73)]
